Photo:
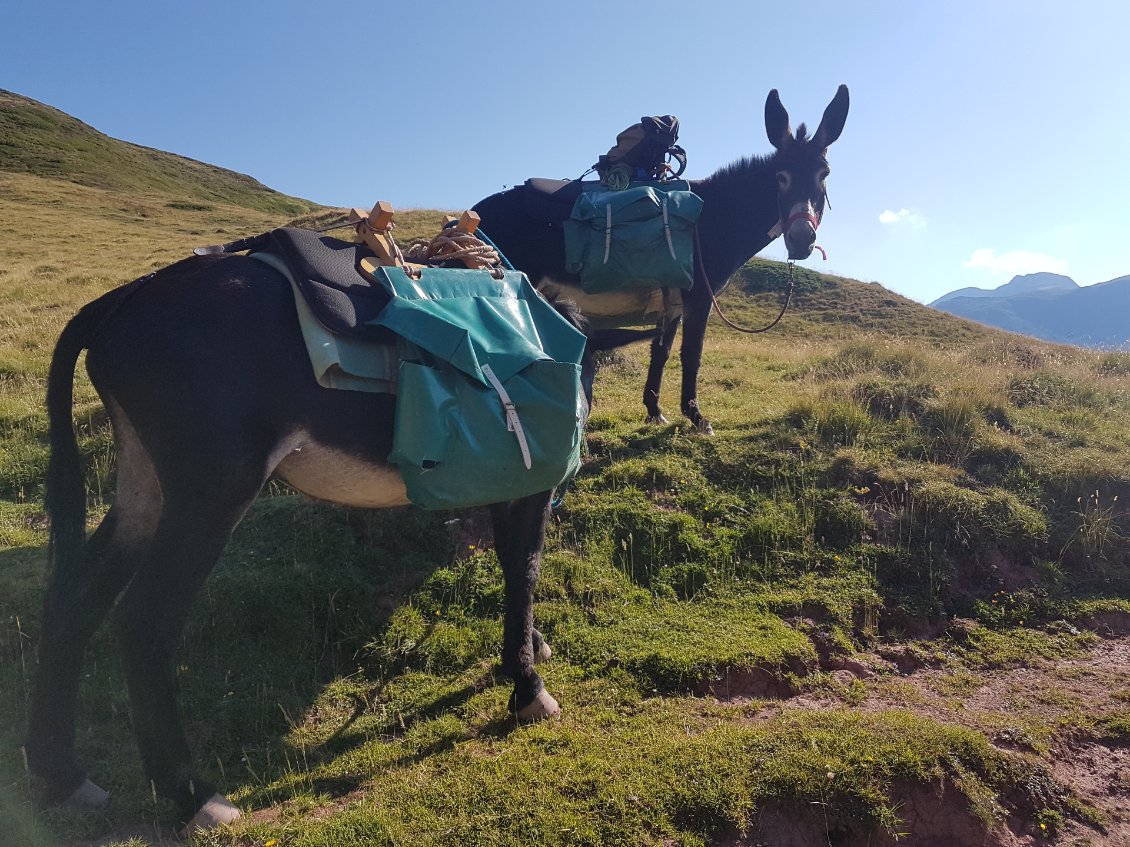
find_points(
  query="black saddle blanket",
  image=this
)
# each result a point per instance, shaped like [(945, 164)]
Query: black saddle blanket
[(328, 273)]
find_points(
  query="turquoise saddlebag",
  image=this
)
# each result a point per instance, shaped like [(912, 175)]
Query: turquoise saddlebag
[(489, 404), (641, 237)]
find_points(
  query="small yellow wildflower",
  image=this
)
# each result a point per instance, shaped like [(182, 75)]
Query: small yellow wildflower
[(271, 842)]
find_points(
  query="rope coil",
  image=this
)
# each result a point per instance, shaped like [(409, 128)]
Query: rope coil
[(452, 245)]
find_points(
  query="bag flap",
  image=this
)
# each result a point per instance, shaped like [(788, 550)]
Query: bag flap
[(469, 319), (638, 202)]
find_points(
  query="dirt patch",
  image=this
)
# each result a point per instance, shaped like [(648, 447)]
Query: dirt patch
[(749, 684), (1099, 776), (933, 816), (1046, 710), (1109, 623)]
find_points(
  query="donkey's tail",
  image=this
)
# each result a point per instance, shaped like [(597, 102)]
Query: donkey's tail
[(65, 496)]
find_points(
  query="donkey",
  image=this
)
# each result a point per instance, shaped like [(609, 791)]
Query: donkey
[(210, 393), (747, 205)]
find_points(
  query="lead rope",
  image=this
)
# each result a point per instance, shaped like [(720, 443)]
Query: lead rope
[(718, 309)]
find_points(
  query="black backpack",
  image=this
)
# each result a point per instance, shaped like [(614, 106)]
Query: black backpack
[(641, 153)]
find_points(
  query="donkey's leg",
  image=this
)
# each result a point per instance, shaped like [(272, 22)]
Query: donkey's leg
[(660, 352), (196, 524), (697, 305), (519, 535), (75, 606)]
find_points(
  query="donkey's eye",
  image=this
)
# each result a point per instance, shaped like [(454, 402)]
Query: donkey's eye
[(784, 178), (822, 175)]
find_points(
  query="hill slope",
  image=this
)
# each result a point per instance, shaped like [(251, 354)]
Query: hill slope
[(870, 605), (39, 140)]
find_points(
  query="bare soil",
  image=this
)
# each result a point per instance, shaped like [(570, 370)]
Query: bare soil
[(1048, 709)]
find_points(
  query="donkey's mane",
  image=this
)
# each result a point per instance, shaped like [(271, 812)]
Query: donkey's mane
[(749, 165), (745, 166)]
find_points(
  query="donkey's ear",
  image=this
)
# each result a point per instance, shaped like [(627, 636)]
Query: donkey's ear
[(610, 339), (832, 124), (777, 121)]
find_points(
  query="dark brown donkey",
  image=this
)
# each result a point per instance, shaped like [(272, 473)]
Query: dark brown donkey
[(747, 205), (210, 392)]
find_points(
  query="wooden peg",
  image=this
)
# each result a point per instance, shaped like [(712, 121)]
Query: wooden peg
[(380, 219), (468, 222), (375, 229)]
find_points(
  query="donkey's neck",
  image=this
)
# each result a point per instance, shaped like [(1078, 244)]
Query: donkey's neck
[(740, 208)]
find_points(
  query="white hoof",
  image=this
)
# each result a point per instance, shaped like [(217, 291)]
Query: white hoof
[(543, 706), (656, 419), (88, 796), (218, 810)]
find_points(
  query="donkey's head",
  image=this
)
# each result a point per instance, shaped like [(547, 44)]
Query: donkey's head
[(802, 167)]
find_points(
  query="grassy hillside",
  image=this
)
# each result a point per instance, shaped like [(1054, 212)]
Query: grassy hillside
[(39, 140), (887, 598)]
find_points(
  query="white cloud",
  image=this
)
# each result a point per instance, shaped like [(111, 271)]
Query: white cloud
[(902, 216), (1015, 262)]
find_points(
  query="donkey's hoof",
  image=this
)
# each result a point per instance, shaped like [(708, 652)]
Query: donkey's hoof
[(217, 811), (657, 419), (704, 427), (544, 653), (542, 707), (88, 796)]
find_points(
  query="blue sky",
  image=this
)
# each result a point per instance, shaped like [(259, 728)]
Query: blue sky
[(984, 140)]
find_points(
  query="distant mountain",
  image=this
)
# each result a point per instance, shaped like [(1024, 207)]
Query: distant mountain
[(1051, 307), (1036, 283), (40, 140)]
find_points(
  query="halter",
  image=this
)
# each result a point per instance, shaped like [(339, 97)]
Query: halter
[(782, 226), (801, 216)]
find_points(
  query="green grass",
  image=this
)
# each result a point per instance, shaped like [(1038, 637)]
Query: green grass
[(878, 469)]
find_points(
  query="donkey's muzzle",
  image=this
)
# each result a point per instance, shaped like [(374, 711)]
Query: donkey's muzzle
[(800, 238)]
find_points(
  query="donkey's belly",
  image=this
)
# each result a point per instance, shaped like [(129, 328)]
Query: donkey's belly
[(327, 473), (629, 303)]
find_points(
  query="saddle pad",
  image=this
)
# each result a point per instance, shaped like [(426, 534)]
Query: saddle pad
[(325, 269), (342, 362)]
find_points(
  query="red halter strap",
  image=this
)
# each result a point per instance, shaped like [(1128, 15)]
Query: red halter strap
[(801, 216), (812, 219)]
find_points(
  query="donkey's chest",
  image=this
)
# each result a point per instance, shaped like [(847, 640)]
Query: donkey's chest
[(335, 475)]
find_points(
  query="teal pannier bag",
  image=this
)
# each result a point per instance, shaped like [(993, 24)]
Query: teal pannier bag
[(641, 237), (489, 404)]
